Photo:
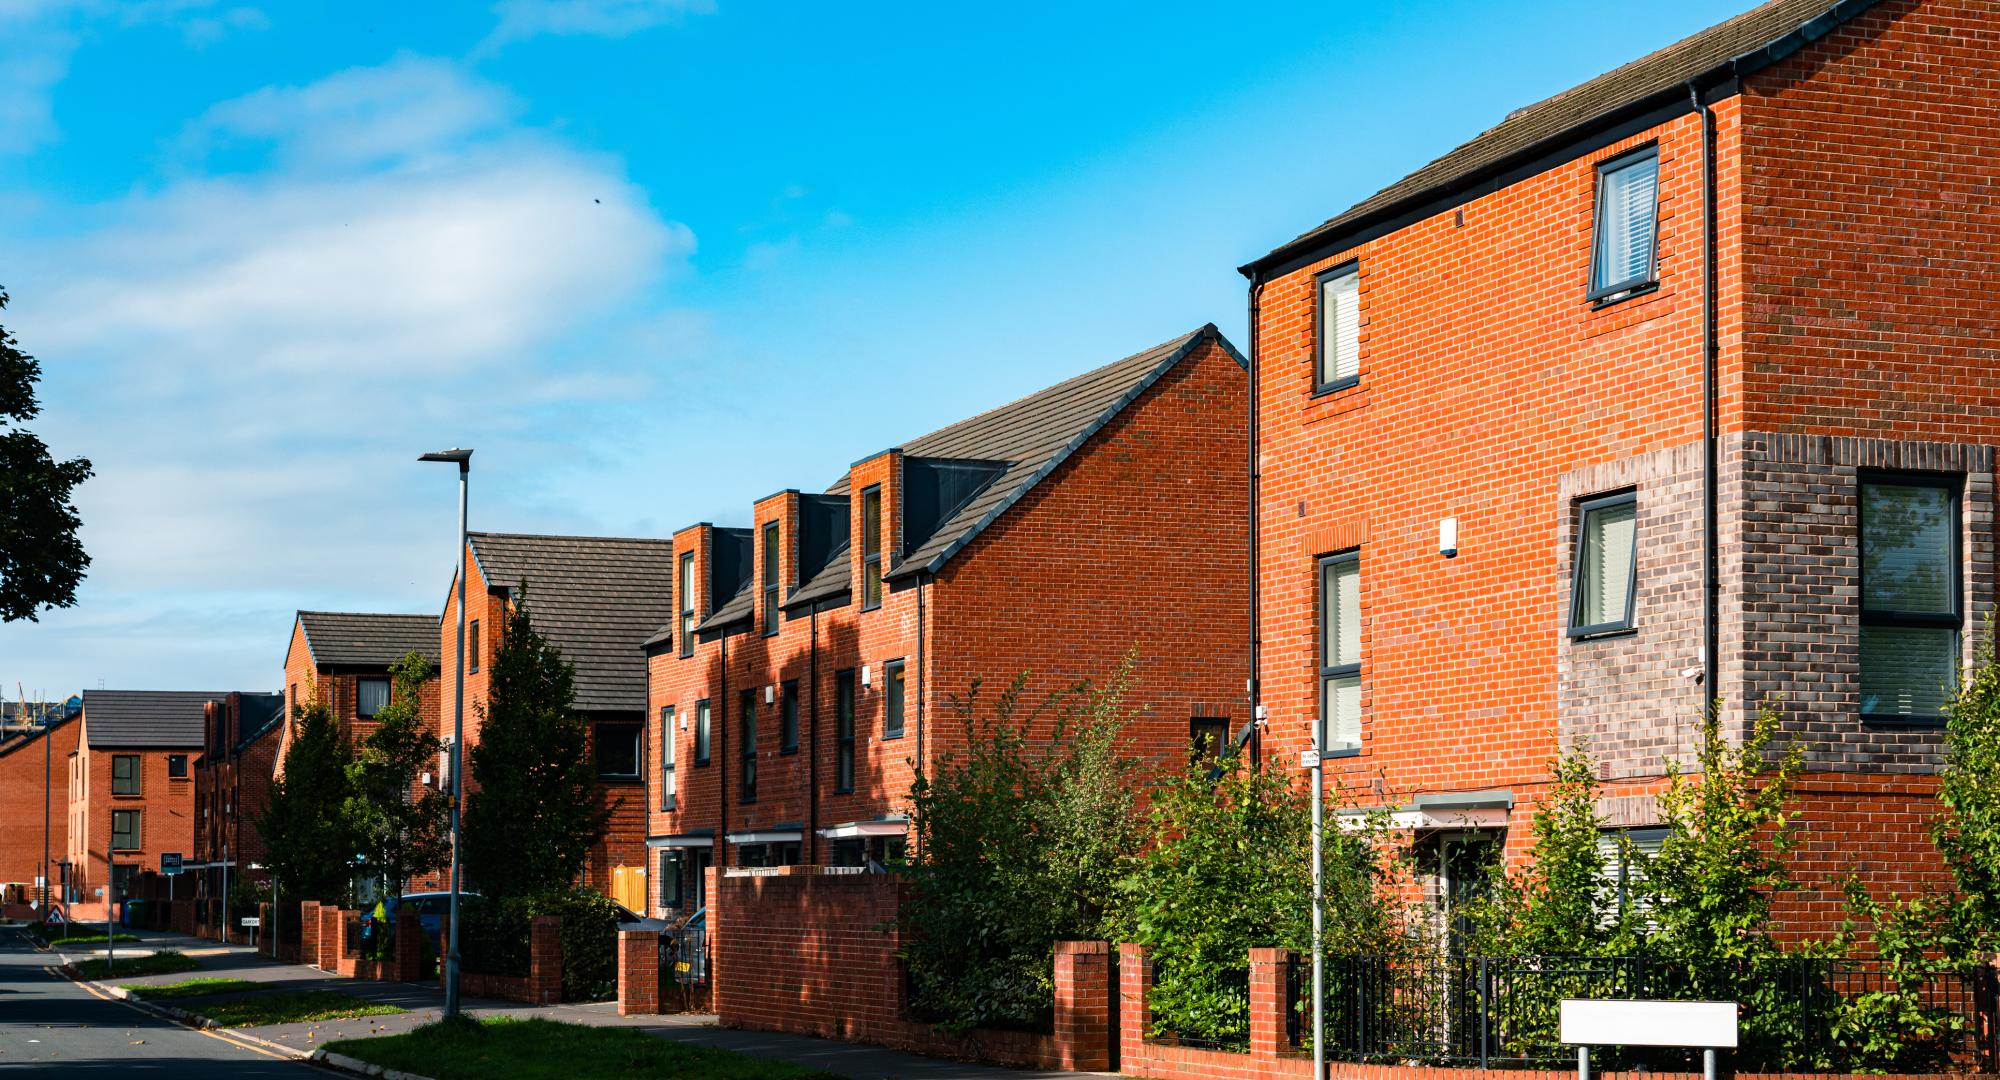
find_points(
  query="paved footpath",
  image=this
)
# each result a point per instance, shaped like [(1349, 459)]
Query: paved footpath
[(853, 1060)]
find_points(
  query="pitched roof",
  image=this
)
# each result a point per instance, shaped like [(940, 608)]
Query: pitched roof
[(145, 718), (834, 579), (595, 597), (260, 717), (738, 608), (1032, 436), (1736, 46), (367, 638)]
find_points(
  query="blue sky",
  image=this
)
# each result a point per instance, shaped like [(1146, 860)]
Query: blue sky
[(652, 259)]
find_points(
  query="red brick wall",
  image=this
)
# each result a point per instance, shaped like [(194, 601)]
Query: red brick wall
[(166, 807), (1137, 540), (22, 763), (800, 951)]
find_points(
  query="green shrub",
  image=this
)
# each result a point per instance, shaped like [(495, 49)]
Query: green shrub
[(1022, 834), (494, 938)]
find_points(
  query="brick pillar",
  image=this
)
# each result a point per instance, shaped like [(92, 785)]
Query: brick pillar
[(309, 933), (638, 972), (545, 960), (348, 956), (1083, 1005), (409, 961), (1135, 981), (1268, 971), (718, 950)]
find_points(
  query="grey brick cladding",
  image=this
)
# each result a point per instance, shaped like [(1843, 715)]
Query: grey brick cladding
[(1792, 587), (1790, 604)]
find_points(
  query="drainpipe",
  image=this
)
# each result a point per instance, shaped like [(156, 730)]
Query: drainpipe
[(812, 742), (1254, 684), (1710, 579), (718, 745), (920, 675)]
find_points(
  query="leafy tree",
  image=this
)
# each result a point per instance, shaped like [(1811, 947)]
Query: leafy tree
[(1230, 869), (1561, 903), (1021, 842), (531, 827), (400, 828), (1722, 863), (1967, 833), (311, 846), (41, 560)]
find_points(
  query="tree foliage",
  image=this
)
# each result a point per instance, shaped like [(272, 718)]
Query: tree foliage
[(1967, 832), (310, 846), (1229, 869), (41, 560), (400, 827), (530, 828), (1021, 840)]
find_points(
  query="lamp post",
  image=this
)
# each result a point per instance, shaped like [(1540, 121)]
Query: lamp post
[(463, 458)]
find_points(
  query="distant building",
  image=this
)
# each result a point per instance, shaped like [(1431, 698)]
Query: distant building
[(131, 789)]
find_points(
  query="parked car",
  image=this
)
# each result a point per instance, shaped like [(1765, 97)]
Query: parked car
[(430, 908)]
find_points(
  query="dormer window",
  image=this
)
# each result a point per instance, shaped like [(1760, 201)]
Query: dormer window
[(1628, 188)]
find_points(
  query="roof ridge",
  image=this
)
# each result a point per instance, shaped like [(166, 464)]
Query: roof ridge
[(569, 536)]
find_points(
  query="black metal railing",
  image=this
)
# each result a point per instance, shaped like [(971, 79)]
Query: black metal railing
[(1211, 1015), (1798, 1013)]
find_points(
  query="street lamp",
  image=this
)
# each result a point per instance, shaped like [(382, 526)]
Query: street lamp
[(464, 460)]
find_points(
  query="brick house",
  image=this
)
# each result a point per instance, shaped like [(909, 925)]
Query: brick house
[(1678, 384), (595, 598), (131, 789), (232, 786), (811, 665), (343, 658), (33, 771)]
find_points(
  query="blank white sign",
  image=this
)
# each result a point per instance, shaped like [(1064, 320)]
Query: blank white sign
[(1700, 1024)]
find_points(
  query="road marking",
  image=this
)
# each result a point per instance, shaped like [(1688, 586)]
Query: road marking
[(232, 1040)]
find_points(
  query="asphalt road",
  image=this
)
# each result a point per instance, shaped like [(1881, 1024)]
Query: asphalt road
[(50, 1026)]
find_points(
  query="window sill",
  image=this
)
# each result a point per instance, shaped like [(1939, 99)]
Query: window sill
[(1346, 752), (789, 751), (1611, 298), (1592, 633), (668, 806), (843, 791), (890, 737), (1321, 390), (701, 763), (1897, 722), (620, 779)]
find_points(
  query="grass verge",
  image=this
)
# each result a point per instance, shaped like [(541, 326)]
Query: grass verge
[(191, 988), (159, 963), (502, 1049), (83, 939), (293, 1007)]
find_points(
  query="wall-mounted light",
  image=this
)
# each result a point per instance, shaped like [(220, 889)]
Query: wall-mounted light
[(1448, 537), (770, 694), (864, 675)]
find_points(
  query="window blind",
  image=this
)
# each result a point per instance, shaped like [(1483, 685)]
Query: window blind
[(1340, 327), (1627, 198)]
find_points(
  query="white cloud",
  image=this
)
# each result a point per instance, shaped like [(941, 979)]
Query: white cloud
[(252, 361), (522, 19)]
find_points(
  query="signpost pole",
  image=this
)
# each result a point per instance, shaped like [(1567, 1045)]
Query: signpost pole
[(1583, 1062)]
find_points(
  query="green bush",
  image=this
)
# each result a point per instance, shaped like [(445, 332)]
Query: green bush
[(1021, 837), (494, 938)]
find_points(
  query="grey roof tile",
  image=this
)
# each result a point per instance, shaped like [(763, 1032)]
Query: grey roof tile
[(834, 580), (1547, 122), (368, 639), (597, 598), (737, 609), (145, 719)]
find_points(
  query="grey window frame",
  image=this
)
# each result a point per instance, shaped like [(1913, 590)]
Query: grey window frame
[(704, 714), (1208, 738), (638, 729), (670, 857), (746, 707), (1584, 508), (135, 835), (871, 559), (687, 606), (1611, 293), (846, 693), (136, 780), (669, 780), (772, 541), (1953, 485), (1321, 384), (898, 705), (788, 717), (177, 766), (1329, 672), (472, 647), (387, 693)]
